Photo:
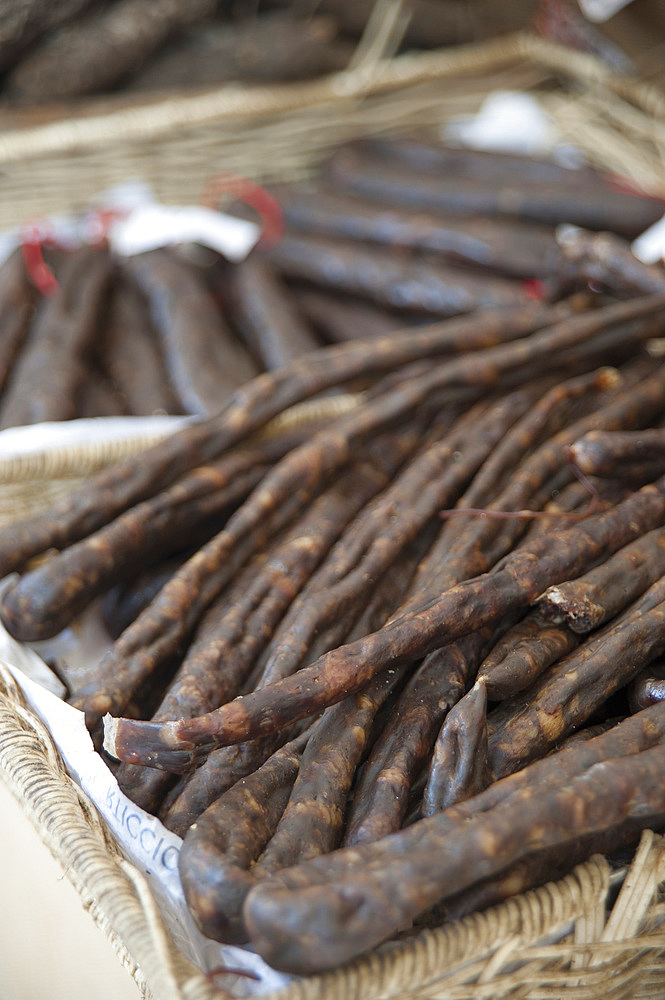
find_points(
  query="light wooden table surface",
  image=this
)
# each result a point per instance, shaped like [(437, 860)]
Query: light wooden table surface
[(50, 948)]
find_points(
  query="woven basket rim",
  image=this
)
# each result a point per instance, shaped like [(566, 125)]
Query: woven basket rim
[(155, 118)]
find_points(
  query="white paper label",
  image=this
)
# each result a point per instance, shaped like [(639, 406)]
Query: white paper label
[(508, 121), (152, 226), (650, 246), (601, 10)]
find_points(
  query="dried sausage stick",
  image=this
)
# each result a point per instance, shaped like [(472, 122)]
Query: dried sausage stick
[(309, 824), (574, 498), (47, 598), (388, 594), (615, 346), (382, 794), (219, 850), (525, 873), (522, 654), (317, 927), (312, 536), (514, 249), (51, 366), (17, 303), (312, 823), (588, 602), (625, 214), (619, 411), (203, 785), (458, 768), (567, 695), (635, 474), (389, 280), (467, 549), (607, 259), (113, 490), (131, 355), (200, 788), (234, 630), (490, 168), (449, 426), (545, 866), (517, 580), (633, 735), (601, 453), (195, 792), (123, 602), (385, 528), (484, 541), (262, 47), (462, 548), (266, 316), (190, 685), (589, 733), (548, 416), (341, 319), (100, 49), (158, 632), (204, 361), (299, 638)]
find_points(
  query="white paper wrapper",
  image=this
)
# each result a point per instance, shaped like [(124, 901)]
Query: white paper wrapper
[(141, 837)]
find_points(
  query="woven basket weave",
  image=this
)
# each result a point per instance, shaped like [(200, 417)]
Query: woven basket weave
[(284, 131), (562, 940)]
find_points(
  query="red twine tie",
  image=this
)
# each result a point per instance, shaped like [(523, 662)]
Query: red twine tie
[(264, 204)]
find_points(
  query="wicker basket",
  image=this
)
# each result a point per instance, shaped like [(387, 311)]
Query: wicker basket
[(563, 940), (284, 131)]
